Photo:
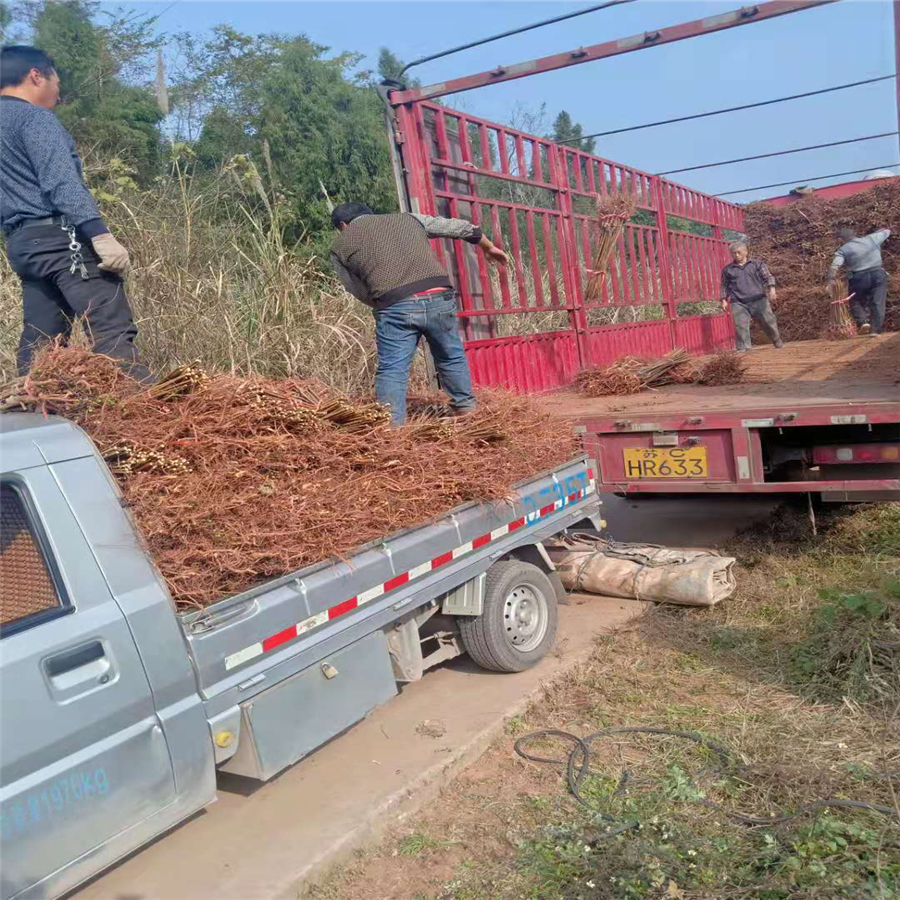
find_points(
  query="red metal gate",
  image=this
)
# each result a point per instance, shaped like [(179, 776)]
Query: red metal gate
[(530, 327)]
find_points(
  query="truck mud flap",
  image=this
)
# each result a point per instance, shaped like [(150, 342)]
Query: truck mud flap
[(287, 722)]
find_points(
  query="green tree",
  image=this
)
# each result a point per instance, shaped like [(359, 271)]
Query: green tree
[(109, 113), (567, 131), (324, 128)]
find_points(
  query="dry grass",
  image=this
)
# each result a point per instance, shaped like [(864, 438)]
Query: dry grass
[(214, 281)]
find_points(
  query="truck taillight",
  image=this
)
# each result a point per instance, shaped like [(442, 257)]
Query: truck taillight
[(857, 453)]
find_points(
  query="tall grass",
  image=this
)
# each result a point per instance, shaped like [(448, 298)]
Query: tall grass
[(213, 280)]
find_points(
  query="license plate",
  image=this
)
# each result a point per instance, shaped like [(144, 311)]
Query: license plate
[(675, 462)]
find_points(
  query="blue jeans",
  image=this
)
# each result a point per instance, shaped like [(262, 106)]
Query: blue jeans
[(398, 329)]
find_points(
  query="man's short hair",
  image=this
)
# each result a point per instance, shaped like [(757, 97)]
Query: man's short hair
[(347, 212), (17, 60), (735, 244), (847, 234)]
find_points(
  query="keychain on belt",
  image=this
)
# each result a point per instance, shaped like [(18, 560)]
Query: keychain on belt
[(75, 247)]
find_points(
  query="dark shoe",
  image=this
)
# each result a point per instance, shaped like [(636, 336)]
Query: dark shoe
[(865, 329), (779, 345)]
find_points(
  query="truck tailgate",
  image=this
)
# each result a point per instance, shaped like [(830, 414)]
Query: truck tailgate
[(253, 640)]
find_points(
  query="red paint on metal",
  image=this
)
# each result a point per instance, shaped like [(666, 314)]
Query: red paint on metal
[(276, 640), (396, 582), (551, 188), (345, 607), (519, 523), (832, 192), (480, 541), (442, 560)]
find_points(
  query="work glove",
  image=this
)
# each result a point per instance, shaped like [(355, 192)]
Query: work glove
[(113, 256)]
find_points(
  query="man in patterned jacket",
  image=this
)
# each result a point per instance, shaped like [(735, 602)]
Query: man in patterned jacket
[(386, 261), (69, 264)]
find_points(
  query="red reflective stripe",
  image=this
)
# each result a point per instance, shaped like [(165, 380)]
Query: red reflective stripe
[(396, 582), (591, 474), (481, 541), (442, 560), (270, 643), (342, 608), (546, 510), (517, 524), (572, 498)]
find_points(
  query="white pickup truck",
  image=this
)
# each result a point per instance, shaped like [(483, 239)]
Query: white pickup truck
[(117, 710)]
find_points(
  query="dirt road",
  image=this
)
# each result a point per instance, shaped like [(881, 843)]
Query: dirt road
[(261, 841)]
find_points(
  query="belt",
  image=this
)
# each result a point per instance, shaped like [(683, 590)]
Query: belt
[(430, 291), (34, 223)]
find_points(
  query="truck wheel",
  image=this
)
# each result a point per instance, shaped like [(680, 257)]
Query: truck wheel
[(518, 624)]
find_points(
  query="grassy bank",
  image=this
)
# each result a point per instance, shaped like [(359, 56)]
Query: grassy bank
[(797, 678), (213, 280)]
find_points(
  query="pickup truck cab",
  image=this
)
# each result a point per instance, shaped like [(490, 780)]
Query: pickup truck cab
[(117, 709)]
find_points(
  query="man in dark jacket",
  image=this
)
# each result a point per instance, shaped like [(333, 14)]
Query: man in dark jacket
[(750, 287), (69, 264), (386, 261)]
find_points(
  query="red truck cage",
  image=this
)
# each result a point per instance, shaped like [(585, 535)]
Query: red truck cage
[(530, 327)]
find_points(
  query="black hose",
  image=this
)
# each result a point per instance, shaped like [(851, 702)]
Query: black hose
[(578, 762)]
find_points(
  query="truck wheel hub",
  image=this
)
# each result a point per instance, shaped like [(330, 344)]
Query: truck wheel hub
[(525, 617)]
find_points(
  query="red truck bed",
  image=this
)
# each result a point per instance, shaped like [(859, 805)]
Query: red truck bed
[(779, 430)]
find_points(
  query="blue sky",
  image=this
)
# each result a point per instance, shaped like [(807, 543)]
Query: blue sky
[(847, 41)]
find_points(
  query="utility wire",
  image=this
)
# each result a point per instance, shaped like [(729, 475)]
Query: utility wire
[(728, 162), (719, 112), (497, 37), (801, 181)]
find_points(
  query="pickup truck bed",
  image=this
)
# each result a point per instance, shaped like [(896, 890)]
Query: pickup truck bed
[(760, 434), (123, 709)]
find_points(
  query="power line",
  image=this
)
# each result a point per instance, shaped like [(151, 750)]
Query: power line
[(496, 37), (801, 181), (728, 162), (719, 112)]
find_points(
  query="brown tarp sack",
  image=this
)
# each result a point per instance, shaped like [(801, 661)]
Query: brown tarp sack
[(589, 562)]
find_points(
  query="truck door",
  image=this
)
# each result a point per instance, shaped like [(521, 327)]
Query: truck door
[(82, 755)]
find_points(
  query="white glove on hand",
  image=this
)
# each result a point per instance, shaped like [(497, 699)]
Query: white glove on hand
[(113, 256)]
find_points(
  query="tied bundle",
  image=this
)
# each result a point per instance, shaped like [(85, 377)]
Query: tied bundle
[(726, 367), (632, 374), (840, 326), (613, 213)]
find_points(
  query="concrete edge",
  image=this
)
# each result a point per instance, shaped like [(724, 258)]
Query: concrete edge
[(426, 786)]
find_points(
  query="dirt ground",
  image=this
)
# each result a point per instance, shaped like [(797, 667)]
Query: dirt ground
[(801, 374), (508, 829)]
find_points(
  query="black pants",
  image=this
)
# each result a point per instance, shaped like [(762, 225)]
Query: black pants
[(870, 298), (53, 297)]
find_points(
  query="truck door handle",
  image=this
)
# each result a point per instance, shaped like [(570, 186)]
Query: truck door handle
[(72, 670), (74, 659)]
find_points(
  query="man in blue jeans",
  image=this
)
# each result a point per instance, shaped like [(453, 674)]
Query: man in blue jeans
[(386, 261)]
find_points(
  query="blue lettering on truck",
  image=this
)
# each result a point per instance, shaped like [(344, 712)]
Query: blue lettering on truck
[(61, 797), (542, 504)]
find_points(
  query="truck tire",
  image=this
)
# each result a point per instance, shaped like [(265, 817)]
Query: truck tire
[(518, 624)]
